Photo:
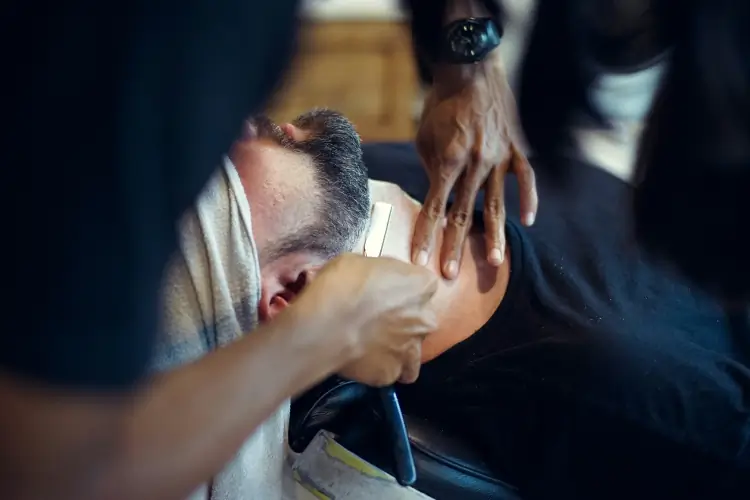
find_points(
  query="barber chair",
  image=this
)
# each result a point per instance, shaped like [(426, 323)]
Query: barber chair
[(447, 468)]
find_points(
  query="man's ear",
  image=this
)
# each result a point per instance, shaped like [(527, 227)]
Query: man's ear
[(279, 291), (294, 132)]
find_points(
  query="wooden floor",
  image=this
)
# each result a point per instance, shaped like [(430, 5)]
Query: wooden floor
[(362, 69)]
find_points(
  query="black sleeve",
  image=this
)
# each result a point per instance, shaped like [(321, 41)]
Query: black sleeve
[(118, 119), (426, 24)]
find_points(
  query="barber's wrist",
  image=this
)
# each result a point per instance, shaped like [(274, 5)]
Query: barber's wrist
[(448, 79), (450, 75)]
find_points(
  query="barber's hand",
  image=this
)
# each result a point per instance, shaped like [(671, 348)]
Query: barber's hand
[(468, 140), (380, 308)]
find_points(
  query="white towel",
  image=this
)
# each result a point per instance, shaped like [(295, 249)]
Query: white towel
[(210, 299)]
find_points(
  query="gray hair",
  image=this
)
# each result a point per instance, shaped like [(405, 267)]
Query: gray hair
[(341, 182)]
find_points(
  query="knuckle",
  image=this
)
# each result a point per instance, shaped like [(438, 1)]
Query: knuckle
[(410, 372), (494, 208), (413, 350), (453, 153), (477, 156), (460, 218), (453, 160), (434, 211), (447, 174)]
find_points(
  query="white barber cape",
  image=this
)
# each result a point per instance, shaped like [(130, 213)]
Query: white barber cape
[(210, 299)]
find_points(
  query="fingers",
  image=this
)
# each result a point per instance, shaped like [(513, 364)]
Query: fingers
[(412, 363), (429, 222), (427, 287), (526, 186), (459, 222), (420, 281), (413, 352), (431, 288), (494, 215)]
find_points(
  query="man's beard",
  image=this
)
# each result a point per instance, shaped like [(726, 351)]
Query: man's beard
[(333, 145)]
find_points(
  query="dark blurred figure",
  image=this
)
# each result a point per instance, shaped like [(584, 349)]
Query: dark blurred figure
[(694, 163), (692, 204)]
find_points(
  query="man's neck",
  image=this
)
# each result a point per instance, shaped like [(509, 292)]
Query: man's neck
[(464, 304)]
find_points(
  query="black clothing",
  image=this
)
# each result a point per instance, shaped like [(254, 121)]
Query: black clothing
[(696, 139), (601, 374), (117, 119)]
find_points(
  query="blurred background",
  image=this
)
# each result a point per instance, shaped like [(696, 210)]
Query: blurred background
[(355, 56)]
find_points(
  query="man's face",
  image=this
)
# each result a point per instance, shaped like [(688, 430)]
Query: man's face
[(307, 188), (316, 175), (272, 159), (280, 185)]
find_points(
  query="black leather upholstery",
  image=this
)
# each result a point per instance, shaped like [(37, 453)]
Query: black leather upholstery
[(446, 468)]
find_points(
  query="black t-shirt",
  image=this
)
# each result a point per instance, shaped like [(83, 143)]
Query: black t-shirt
[(117, 115), (602, 374)]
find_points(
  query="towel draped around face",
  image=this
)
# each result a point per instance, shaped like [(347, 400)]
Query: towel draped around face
[(210, 298)]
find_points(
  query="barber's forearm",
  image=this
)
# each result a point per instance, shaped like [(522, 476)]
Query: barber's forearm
[(190, 422)]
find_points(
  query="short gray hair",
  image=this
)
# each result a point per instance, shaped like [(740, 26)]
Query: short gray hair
[(341, 181)]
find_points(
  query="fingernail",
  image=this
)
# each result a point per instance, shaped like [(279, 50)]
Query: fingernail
[(422, 258), (451, 269), (530, 218), (496, 256)]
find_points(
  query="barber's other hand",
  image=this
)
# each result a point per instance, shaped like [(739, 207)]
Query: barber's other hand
[(468, 139), (380, 309)]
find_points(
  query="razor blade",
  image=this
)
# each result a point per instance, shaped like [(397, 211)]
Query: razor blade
[(380, 218)]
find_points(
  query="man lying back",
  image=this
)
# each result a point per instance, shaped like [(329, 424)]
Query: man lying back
[(578, 368), (306, 186), (561, 366)]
